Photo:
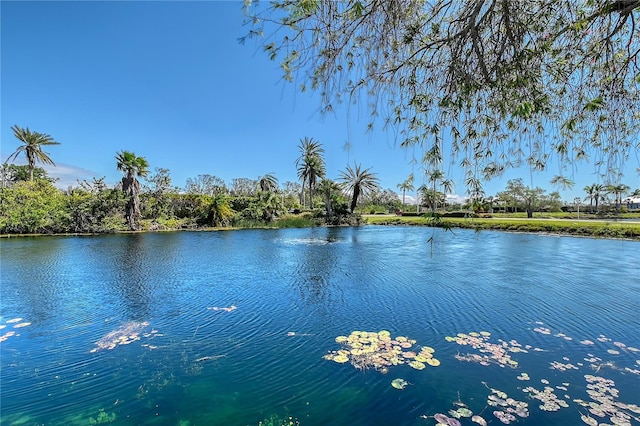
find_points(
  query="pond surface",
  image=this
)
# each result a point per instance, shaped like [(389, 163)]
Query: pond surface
[(231, 328)]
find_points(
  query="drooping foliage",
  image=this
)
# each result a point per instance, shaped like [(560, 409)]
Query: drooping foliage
[(507, 82)]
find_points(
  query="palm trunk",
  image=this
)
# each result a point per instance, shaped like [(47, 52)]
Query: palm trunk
[(131, 187), (354, 200)]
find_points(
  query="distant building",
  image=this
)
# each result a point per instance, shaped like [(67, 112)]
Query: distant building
[(632, 203)]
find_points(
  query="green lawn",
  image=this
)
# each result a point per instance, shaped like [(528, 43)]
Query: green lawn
[(593, 228)]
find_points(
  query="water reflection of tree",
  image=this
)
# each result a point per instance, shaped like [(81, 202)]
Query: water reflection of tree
[(315, 279), (133, 275)]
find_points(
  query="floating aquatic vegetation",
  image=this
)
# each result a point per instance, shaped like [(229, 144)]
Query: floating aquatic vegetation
[(293, 333), (441, 418), (479, 420), (509, 407), (550, 401), (603, 393), (226, 309), (491, 353), (462, 411), (126, 334), (399, 383), (417, 365), (16, 322), (523, 376), (542, 330), (6, 335), (555, 365), (378, 350)]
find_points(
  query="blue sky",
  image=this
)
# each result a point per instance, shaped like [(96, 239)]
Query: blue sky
[(170, 82)]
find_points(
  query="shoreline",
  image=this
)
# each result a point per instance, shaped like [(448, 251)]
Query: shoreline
[(600, 229), (561, 227)]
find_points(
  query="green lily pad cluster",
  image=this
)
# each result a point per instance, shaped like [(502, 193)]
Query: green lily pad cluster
[(379, 350)]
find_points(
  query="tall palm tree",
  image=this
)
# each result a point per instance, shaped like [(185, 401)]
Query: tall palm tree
[(595, 193), (310, 164), (132, 166), (33, 143), (590, 190), (434, 177), (407, 185), (618, 191), (328, 188), (359, 182), (268, 183)]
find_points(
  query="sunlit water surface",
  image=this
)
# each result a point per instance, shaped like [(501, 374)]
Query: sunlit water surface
[(123, 328)]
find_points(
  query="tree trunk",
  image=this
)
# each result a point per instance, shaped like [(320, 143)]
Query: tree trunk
[(131, 187), (354, 200)]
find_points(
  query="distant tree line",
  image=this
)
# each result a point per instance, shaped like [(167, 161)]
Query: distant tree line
[(143, 200)]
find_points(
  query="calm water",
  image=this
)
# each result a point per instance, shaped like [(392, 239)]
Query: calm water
[(572, 301)]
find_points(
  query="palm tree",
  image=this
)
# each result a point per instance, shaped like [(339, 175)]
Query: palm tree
[(448, 187), (590, 190), (430, 196), (219, 212), (407, 185), (594, 193), (33, 142), (435, 176), (359, 181), (310, 165), (328, 188), (132, 166), (618, 191), (268, 183)]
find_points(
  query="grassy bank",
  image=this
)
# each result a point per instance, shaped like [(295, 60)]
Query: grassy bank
[(597, 229)]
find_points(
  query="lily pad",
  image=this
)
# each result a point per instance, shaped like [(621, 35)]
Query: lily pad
[(479, 420), (341, 359), (464, 412), (440, 418), (399, 383), (417, 365), (433, 362)]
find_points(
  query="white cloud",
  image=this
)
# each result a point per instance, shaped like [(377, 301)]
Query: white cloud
[(68, 175)]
